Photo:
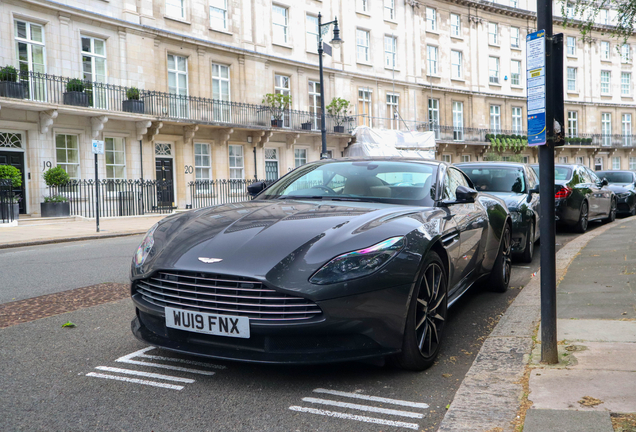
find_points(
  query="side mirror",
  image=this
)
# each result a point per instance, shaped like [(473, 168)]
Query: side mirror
[(604, 182), (256, 188), (534, 190), (465, 194)]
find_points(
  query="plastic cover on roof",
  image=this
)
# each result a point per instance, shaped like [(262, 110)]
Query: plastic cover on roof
[(386, 142)]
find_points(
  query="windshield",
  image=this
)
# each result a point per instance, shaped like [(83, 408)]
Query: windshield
[(497, 179), (374, 181), (616, 177), (560, 173)]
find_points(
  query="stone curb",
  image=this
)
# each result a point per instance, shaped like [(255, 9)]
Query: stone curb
[(69, 239), (490, 395)]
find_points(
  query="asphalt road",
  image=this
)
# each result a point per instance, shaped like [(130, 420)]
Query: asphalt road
[(58, 378)]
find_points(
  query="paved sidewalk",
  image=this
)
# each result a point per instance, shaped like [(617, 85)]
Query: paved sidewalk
[(50, 231)]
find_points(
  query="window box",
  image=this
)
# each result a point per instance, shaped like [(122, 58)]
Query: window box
[(306, 125), (55, 209), (76, 98), (277, 123), (13, 89), (338, 129), (9, 211), (133, 106)]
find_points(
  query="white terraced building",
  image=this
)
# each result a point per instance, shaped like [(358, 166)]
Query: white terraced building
[(204, 66)]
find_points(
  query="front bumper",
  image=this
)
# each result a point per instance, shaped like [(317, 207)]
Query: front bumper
[(350, 328), (623, 205)]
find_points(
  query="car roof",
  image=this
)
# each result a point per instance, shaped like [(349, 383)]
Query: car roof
[(616, 171), (493, 163), (386, 159)]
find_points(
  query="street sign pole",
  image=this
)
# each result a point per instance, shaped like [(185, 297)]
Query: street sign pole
[(98, 148)]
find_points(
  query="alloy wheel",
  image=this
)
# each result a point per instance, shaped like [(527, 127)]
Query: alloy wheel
[(430, 312), (506, 251), (584, 216)]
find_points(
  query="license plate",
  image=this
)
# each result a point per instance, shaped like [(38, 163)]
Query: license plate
[(201, 322)]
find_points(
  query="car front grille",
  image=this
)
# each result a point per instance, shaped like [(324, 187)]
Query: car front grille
[(224, 295)]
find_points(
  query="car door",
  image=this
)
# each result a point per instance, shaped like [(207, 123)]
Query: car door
[(603, 195)]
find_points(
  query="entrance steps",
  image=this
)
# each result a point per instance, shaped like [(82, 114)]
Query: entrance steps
[(37, 220)]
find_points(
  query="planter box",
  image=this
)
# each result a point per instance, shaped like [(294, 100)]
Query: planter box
[(277, 123), (306, 126), (133, 106), (55, 209), (76, 98), (338, 129), (12, 89), (7, 208)]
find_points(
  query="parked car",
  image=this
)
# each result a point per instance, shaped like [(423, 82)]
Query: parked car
[(517, 185), (338, 260), (580, 196), (623, 184)]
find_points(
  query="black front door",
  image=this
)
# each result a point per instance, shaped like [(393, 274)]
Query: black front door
[(164, 176), (16, 159)]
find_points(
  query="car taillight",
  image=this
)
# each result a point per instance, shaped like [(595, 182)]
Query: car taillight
[(564, 192)]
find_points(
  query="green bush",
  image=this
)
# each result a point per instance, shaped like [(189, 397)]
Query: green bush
[(11, 173), (76, 85), (488, 136), (337, 108), (278, 103), (55, 199), (132, 93), (56, 176), (8, 73)]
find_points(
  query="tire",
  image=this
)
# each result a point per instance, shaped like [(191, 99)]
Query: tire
[(528, 252), (632, 212), (500, 274), (581, 225), (421, 343), (611, 217)]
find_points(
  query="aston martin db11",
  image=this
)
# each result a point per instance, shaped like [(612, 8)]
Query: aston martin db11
[(338, 260)]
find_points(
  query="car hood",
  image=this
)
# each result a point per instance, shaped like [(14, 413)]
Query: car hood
[(620, 187), (262, 238), (512, 199)]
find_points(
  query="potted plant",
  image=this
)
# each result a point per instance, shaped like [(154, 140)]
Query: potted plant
[(14, 176), (75, 93), (338, 110), (55, 205), (9, 84), (278, 104), (306, 125), (133, 104)]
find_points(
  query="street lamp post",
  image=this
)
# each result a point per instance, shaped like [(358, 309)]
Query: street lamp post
[(335, 41)]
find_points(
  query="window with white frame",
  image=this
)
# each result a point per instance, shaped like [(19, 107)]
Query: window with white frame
[(218, 14), (456, 64), (362, 45), (94, 68), (571, 77), (300, 157), (604, 17), (493, 34), (282, 86), (626, 83), (389, 9), (515, 72), (237, 162), (465, 158), (365, 112), (598, 164), (571, 45), (458, 121), (431, 19), (280, 24), (625, 53), (605, 82), (67, 154), (362, 6), (202, 161), (517, 126), (446, 158), (514, 37), (175, 8), (178, 85), (579, 160), (525, 159), (626, 129), (431, 53), (505, 158), (271, 163), (563, 159), (221, 92), (493, 70), (632, 163), (433, 116), (606, 129), (313, 39), (573, 123), (392, 106), (616, 163), (115, 155), (456, 25), (495, 119), (513, 3), (569, 10), (31, 54), (314, 104), (390, 52), (605, 50)]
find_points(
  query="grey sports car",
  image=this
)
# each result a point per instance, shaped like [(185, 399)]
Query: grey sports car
[(338, 260)]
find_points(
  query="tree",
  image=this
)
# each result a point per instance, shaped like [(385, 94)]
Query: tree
[(584, 13)]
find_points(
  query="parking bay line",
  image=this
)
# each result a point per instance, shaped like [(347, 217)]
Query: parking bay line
[(162, 366), (135, 381), (178, 360), (364, 407), (365, 419), (145, 374), (372, 398)]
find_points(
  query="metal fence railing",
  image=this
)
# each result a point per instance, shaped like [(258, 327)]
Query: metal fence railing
[(205, 193), (117, 197), (8, 206)]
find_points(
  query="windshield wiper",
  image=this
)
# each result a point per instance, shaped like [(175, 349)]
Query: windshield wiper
[(343, 199)]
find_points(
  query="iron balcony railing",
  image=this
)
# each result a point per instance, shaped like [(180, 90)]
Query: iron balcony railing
[(52, 89), (8, 205), (205, 193)]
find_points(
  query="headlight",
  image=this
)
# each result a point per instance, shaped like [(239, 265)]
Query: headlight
[(144, 248), (358, 263), (516, 216)]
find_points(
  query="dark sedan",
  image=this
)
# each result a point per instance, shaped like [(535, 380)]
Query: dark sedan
[(580, 196), (338, 260), (623, 184), (517, 185)]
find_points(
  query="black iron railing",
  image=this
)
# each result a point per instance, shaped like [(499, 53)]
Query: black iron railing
[(205, 193), (117, 197), (8, 206), (54, 89)]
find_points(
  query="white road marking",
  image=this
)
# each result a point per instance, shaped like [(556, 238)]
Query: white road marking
[(365, 419), (364, 408), (372, 398), (178, 360), (145, 374), (162, 366), (135, 354), (135, 381)]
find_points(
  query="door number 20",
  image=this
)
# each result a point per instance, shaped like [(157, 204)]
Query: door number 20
[(189, 169)]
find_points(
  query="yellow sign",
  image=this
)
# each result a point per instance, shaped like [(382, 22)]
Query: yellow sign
[(535, 73)]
